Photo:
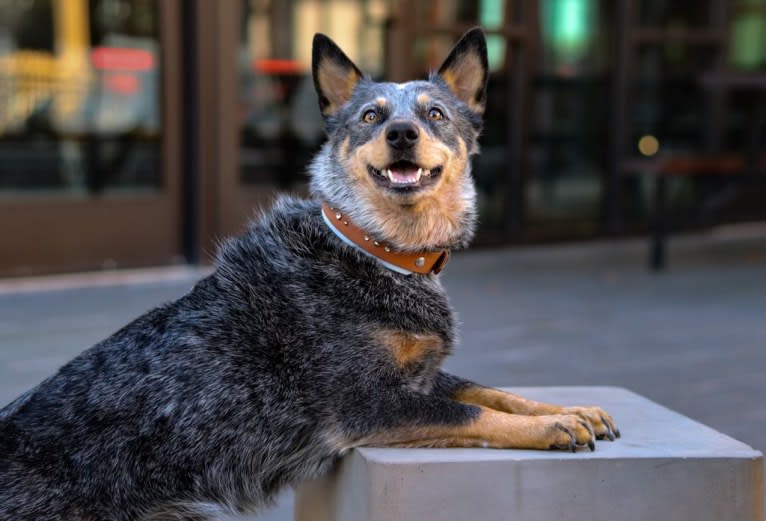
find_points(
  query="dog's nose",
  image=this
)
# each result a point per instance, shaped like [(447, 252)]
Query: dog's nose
[(402, 135)]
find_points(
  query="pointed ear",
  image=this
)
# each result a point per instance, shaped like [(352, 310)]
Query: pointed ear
[(335, 76), (465, 71)]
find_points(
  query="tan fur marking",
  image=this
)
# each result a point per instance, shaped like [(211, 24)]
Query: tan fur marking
[(343, 151), (603, 424), (410, 347), (380, 102), (336, 82), (429, 218), (504, 401), (375, 153), (490, 429), (423, 98), (464, 79)]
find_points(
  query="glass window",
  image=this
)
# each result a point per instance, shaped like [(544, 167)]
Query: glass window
[(690, 99), (79, 104), (669, 99), (281, 127), (674, 14), (568, 124)]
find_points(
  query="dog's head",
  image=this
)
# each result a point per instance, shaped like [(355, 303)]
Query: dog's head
[(398, 155)]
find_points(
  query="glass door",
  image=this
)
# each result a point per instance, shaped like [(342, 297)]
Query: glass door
[(88, 138)]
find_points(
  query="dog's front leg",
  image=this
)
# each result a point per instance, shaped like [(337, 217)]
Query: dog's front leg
[(468, 392), (467, 425)]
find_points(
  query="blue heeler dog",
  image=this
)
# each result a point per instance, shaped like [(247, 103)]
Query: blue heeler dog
[(323, 328)]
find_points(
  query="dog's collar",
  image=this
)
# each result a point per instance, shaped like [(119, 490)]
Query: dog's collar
[(423, 263)]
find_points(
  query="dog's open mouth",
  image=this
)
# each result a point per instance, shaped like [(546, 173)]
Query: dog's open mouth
[(404, 176)]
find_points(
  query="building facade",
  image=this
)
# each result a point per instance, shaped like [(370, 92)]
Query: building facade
[(141, 132)]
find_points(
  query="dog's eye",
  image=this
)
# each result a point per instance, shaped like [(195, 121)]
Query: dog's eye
[(370, 116), (435, 114)]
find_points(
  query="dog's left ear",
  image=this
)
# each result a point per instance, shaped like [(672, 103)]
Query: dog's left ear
[(335, 75), (466, 70)]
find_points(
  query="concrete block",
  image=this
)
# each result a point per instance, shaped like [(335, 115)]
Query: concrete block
[(665, 467)]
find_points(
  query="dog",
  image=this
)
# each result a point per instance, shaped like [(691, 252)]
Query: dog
[(322, 328)]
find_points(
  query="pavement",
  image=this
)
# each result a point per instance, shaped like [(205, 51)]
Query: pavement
[(692, 338)]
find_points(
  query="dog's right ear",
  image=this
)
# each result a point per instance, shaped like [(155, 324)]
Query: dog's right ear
[(335, 76)]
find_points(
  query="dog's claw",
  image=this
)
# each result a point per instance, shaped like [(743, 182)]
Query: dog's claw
[(588, 426), (600, 422), (609, 429), (576, 438)]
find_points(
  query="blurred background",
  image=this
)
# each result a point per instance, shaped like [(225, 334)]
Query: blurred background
[(138, 132)]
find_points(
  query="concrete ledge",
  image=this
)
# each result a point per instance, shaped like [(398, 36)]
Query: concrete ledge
[(665, 467)]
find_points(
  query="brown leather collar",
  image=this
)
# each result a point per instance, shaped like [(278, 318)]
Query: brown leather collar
[(422, 262)]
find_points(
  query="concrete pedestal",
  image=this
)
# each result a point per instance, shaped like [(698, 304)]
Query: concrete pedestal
[(665, 467)]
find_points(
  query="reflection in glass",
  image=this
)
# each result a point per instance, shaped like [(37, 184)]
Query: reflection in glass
[(748, 36), (281, 127), (79, 83), (568, 30), (492, 18), (568, 124), (674, 14)]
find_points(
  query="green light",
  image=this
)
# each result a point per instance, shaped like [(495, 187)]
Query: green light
[(748, 41), (568, 26), (491, 15), (495, 51), (570, 23)]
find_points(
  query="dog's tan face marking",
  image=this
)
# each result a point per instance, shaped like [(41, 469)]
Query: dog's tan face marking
[(343, 151), (429, 153), (427, 217), (409, 348), (423, 99), (380, 102), (374, 152)]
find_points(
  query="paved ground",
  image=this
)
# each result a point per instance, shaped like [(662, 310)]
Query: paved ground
[(693, 338)]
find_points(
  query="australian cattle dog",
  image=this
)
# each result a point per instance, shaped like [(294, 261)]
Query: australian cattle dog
[(322, 328)]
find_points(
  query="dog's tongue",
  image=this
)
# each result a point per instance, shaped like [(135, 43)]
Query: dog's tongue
[(404, 174)]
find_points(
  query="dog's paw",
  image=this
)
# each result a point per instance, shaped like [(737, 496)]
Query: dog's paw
[(603, 424), (567, 432)]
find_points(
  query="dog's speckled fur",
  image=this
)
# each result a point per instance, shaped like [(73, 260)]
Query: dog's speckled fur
[(296, 349)]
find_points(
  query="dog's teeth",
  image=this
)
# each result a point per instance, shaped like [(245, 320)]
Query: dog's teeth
[(420, 173), (389, 174), (426, 173)]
